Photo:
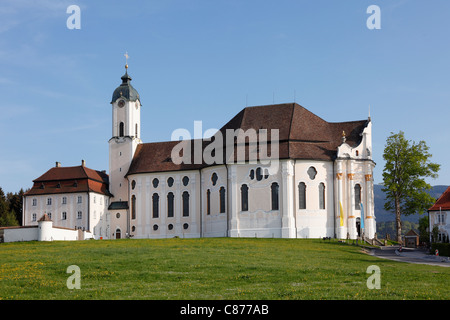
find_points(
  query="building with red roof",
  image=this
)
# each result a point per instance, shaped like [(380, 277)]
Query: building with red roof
[(438, 216), (72, 197)]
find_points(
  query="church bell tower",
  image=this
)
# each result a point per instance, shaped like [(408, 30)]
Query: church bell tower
[(126, 123)]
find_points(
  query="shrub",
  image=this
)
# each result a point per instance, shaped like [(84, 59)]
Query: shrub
[(443, 248)]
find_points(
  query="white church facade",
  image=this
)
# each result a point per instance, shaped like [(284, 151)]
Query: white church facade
[(322, 185)]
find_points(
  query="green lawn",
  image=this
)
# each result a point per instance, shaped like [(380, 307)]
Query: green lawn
[(212, 268)]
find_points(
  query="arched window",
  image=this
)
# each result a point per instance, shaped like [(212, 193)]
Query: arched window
[(259, 175), (275, 196), (357, 197), (321, 195), (133, 207), (155, 183), (170, 198), (312, 172), (185, 204), (244, 197), (222, 199), (121, 129), (208, 202), (214, 178), (136, 130), (155, 201), (302, 195)]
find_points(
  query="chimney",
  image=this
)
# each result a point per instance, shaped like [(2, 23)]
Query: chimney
[(83, 163), (58, 164)]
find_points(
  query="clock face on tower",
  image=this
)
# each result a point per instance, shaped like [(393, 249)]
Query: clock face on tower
[(121, 103)]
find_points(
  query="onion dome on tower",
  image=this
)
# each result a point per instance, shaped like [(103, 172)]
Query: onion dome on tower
[(125, 90)]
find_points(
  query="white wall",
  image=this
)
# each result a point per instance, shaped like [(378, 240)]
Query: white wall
[(441, 219), (13, 234), (260, 220), (214, 224), (99, 216), (314, 222), (56, 209), (93, 209), (42, 233), (144, 223)]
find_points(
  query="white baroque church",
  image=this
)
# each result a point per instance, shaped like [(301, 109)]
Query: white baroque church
[(322, 185)]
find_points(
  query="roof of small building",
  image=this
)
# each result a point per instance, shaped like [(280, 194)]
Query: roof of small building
[(302, 135), (411, 233), (69, 180), (45, 217), (443, 202)]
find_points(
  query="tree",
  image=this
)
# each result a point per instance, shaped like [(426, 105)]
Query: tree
[(15, 201), (3, 203), (8, 219), (424, 235), (435, 234), (407, 164)]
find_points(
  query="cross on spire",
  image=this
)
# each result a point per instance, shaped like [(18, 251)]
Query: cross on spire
[(126, 59)]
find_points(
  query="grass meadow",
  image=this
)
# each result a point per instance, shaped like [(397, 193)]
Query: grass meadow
[(210, 268)]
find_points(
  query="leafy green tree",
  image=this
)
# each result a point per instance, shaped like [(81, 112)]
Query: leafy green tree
[(435, 234), (407, 166), (8, 219), (15, 201), (424, 235), (3, 203)]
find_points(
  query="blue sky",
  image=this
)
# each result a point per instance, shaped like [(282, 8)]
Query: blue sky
[(202, 60)]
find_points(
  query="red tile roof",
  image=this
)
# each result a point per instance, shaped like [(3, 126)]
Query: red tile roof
[(443, 203), (69, 180), (45, 217), (71, 173), (302, 135)]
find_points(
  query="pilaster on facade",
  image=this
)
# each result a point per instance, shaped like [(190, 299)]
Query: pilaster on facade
[(340, 205), (233, 204), (369, 218), (288, 229), (351, 220)]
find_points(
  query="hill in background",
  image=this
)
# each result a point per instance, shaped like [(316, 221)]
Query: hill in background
[(383, 215), (385, 219)]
